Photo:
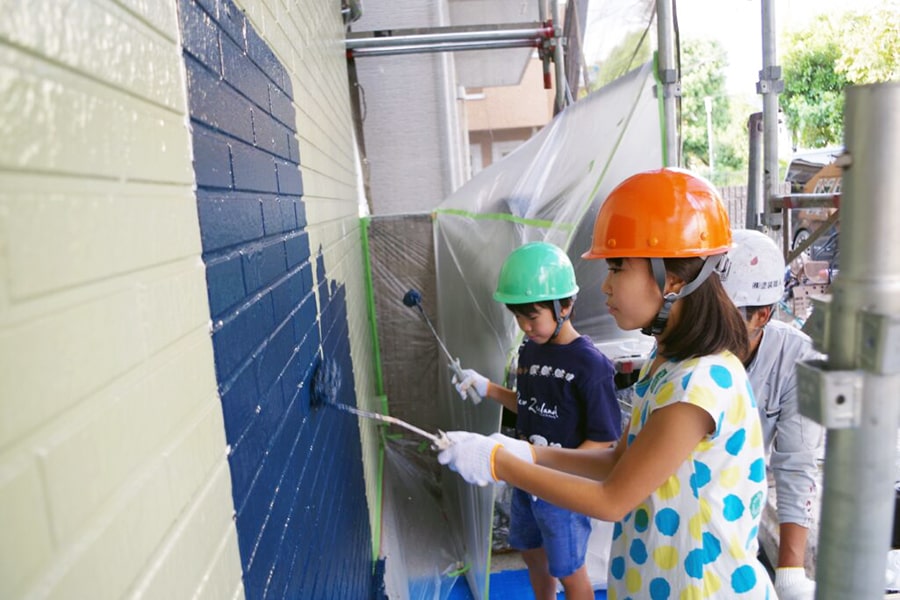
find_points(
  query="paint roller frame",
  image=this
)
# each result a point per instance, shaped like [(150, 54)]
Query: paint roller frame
[(412, 298)]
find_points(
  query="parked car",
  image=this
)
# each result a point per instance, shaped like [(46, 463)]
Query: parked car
[(809, 177)]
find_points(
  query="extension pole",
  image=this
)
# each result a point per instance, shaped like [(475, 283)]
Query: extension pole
[(863, 330)]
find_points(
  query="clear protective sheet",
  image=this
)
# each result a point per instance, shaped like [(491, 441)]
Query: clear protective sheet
[(421, 551), (548, 189)]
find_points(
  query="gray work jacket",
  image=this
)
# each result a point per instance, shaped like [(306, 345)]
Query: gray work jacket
[(792, 441)]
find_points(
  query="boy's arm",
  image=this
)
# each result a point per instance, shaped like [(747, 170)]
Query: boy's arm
[(504, 396)]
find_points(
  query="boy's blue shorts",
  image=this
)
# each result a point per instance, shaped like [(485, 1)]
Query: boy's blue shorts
[(562, 533)]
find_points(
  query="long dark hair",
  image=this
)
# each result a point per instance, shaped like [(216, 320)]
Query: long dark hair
[(708, 322)]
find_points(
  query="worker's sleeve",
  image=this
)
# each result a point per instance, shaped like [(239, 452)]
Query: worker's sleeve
[(796, 443)]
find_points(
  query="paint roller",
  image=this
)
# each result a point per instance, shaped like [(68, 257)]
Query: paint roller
[(326, 383), (413, 298)]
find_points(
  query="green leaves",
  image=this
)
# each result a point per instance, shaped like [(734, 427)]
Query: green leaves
[(819, 62)]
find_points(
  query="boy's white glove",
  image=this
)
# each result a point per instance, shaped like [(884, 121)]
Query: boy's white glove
[(518, 448), (470, 378), (472, 456), (791, 583)]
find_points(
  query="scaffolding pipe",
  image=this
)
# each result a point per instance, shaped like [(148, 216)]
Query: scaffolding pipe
[(558, 57), (454, 47), (410, 37), (668, 76), (769, 86), (755, 204), (863, 332)]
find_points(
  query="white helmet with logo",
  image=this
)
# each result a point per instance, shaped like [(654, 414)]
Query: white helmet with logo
[(754, 273)]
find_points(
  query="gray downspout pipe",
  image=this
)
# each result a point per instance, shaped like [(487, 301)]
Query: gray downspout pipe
[(669, 76), (861, 332)]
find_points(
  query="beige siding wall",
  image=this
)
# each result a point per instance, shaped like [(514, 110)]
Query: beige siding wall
[(113, 476)]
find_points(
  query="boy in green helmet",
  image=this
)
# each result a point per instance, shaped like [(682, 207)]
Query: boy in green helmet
[(565, 397)]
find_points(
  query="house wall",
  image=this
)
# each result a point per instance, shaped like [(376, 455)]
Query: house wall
[(179, 252)]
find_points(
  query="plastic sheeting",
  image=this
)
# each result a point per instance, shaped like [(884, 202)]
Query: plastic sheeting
[(550, 188)]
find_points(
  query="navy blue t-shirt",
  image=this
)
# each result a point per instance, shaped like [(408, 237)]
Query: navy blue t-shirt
[(565, 394)]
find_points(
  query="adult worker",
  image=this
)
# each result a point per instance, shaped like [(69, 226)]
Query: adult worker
[(753, 276)]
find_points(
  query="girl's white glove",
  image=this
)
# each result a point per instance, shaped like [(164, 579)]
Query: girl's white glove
[(518, 448), (471, 377), (472, 456)]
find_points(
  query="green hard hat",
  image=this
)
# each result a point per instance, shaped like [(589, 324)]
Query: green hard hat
[(535, 272)]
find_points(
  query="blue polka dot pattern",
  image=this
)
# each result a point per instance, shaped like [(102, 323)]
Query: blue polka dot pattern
[(756, 504), (734, 508), (743, 579), (641, 519), (758, 470), (751, 538), (682, 541), (702, 475), (667, 521), (617, 567), (638, 552), (640, 388), (735, 442), (693, 564), (712, 547), (660, 589), (721, 376)]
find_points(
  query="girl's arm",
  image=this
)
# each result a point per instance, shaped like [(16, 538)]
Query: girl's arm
[(593, 460), (629, 475)]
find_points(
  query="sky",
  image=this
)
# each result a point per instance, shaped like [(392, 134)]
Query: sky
[(737, 24)]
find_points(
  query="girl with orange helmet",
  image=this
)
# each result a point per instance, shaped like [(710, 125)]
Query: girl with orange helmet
[(686, 484)]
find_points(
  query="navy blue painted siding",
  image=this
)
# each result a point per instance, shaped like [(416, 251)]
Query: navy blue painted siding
[(297, 478)]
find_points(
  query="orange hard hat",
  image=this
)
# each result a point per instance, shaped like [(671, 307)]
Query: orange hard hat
[(665, 213)]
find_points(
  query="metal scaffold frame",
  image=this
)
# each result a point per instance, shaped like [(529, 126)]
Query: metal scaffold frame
[(545, 36), (854, 392)]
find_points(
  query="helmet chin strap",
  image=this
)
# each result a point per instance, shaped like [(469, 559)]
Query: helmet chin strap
[(557, 309), (658, 324)]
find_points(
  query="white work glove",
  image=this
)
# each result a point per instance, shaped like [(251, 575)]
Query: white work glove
[(471, 377), (518, 448), (791, 583), (472, 456)]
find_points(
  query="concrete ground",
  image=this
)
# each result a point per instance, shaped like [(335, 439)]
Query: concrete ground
[(506, 561)]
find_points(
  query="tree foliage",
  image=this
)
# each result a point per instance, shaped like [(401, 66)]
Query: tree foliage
[(821, 60), (703, 65), (633, 51), (813, 97), (870, 46)]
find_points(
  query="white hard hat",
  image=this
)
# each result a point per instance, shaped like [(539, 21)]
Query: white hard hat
[(754, 272)]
